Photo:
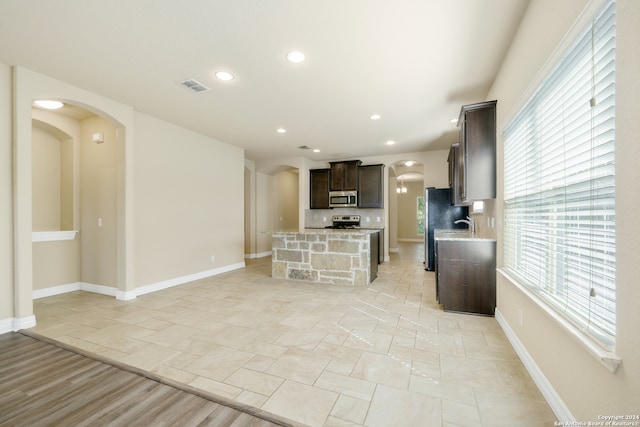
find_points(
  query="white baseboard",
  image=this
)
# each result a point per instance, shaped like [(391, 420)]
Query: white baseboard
[(130, 295), (258, 255), (412, 240), (14, 324), (551, 396), (185, 279), (71, 287), (56, 290)]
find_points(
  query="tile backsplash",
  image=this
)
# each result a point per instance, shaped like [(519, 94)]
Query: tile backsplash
[(320, 218)]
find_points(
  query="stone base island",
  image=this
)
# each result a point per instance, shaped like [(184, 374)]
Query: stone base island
[(339, 257)]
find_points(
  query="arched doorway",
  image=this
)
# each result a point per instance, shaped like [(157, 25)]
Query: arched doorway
[(406, 188), (74, 202), (272, 194), (27, 87)]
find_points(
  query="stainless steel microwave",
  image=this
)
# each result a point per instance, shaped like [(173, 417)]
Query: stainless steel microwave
[(343, 199)]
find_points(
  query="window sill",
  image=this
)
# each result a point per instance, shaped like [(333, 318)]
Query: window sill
[(607, 358), (53, 236)]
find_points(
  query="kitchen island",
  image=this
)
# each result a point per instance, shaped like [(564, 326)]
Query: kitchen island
[(339, 257)]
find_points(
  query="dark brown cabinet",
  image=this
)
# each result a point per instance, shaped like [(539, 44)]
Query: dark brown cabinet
[(344, 175), (466, 275), (319, 188), (454, 176), (370, 186), (477, 174)]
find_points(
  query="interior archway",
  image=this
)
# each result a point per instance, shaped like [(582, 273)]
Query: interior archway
[(79, 216), (406, 186)]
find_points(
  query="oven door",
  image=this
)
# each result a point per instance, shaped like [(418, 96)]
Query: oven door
[(343, 199)]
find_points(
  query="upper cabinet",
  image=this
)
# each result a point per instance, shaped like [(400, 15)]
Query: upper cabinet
[(344, 175), (477, 172), (319, 188), (455, 164), (370, 186)]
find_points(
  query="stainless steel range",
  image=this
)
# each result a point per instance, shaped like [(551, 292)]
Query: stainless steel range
[(345, 222)]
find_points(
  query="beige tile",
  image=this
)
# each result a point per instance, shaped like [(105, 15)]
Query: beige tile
[(149, 356), (238, 337), (219, 363), (340, 366), (442, 389), (301, 320), (259, 363), (350, 409), (302, 403), (440, 343), (318, 350), (369, 341), (382, 369), (174, 374), (302, 339), (498, 409), (216, 387), (346, 385), (461, 369), (252, 399), (337, 352), (459, 414), (254, 381), (300, 366), (170, 335), (393, 407), (195, 346)]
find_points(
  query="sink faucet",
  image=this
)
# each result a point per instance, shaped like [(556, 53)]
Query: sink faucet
[(469, 222)]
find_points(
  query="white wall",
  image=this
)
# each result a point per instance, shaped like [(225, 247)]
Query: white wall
[(407, 212), (188, 198), (99, 195), (266, 212), (189, 193), (7, 311), (47, 177), (583, 385)]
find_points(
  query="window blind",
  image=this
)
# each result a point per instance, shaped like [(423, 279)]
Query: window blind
[(559, 184)]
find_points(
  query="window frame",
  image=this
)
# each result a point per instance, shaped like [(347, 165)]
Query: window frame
[(534, 291)]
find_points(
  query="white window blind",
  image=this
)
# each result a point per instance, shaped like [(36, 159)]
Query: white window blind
[(559, 185)]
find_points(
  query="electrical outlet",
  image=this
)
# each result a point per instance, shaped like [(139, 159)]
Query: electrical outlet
[(368, 219), (378, 219), (213, 258)]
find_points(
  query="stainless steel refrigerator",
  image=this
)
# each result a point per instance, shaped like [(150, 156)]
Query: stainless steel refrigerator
[(439, 214)]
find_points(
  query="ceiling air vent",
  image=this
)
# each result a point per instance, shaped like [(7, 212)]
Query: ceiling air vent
[(303, 147), (194, 85)]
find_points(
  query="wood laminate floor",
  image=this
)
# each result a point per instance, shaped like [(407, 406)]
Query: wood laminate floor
[(43, 385)]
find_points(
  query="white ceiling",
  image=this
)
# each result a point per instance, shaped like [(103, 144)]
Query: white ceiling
[(414, 62)]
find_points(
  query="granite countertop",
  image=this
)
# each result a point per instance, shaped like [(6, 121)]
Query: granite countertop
[(328, 231), (457, 234)]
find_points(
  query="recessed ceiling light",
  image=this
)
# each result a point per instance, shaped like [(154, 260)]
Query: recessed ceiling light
[(375, 117), (281, 130), (224, 75), (409, 163), (295, 57), (454, 121), (48, 104), (315, 150), (390, 142)]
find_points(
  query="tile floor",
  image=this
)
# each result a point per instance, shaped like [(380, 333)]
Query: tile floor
[(320, 355)]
